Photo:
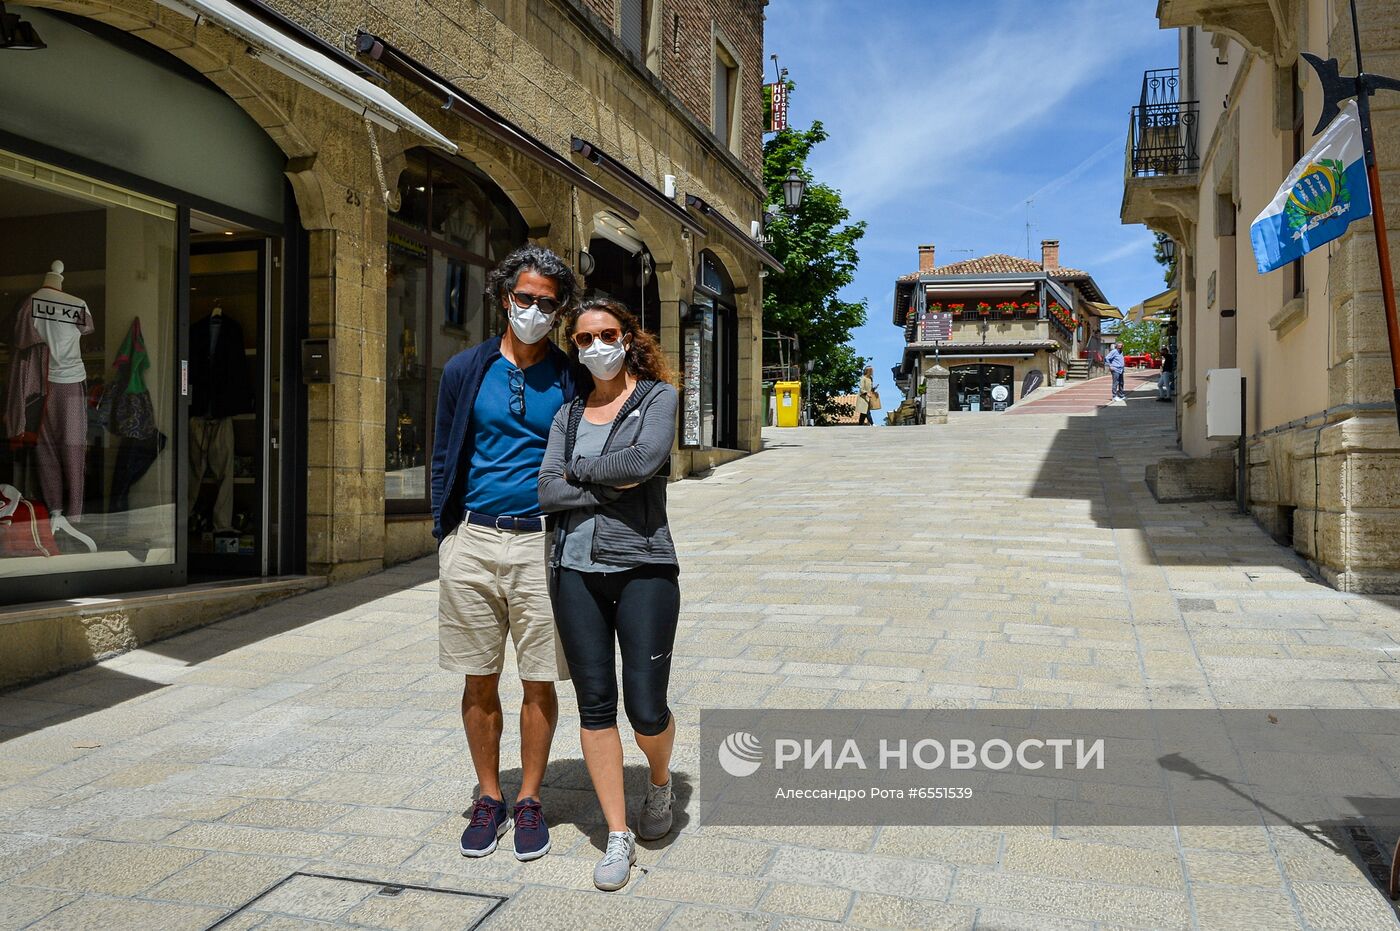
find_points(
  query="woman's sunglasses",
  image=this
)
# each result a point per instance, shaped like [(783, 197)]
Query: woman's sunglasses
[(609, 336), (524, 299)]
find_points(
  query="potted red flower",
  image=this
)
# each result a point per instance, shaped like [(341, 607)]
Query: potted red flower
[(984, 308), (1060, 378), (955, 308)]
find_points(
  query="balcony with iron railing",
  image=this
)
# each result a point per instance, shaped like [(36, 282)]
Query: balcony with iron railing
[(1163, 157)]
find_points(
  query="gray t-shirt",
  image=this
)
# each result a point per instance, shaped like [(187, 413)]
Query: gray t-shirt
[(578, 533)]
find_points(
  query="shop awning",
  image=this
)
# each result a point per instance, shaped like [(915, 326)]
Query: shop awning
[(744, 239), (1060, 293), (1157, 304), (306, 65), (463, 105), (1105, 310)]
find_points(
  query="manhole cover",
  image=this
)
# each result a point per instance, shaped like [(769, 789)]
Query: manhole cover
[(369, 904), (1196, 604)]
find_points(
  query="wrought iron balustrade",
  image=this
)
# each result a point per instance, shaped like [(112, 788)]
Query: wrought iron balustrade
[(1161, 86), (1163, 139)]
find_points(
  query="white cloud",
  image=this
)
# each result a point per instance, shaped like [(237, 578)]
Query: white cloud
[(921, 100)]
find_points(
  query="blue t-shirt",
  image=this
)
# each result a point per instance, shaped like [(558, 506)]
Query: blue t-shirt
[(508, 447)]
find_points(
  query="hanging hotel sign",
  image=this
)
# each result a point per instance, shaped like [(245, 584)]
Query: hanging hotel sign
[(775, 107), (934, 327)]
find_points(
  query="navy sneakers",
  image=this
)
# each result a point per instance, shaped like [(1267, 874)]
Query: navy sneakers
[(531, 833), (486, 823)]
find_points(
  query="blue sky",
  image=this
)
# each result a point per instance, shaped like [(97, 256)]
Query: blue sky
[(946, 116)]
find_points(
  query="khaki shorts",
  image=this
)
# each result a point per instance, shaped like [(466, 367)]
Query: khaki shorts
[(490, 582)]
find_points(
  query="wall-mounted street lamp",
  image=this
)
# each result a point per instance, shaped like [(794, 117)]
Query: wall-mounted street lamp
[(1169, 250), (794, 187), (17, 34)]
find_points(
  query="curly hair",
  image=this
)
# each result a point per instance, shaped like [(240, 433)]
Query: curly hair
[(538, 259), (645, 357)]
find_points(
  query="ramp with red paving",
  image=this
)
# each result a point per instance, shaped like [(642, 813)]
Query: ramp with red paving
[(1084, 397)]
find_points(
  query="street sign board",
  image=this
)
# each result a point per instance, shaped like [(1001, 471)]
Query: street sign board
[(935, 327)]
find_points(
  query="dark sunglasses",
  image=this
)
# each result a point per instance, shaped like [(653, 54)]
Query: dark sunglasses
[(524, 299), (608, 336)]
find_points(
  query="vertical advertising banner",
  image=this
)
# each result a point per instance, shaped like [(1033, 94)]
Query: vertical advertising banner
[(690, 395)]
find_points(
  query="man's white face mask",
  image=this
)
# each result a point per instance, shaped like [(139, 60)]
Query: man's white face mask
[(529, 324)]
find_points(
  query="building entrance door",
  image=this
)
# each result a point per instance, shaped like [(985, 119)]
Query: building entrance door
[(233, 428)]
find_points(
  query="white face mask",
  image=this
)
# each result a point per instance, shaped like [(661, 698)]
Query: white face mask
[(602, 359), (530, 324)]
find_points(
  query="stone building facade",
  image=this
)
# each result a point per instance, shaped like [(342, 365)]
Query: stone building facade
[(1015, 323), (567, 126), (1209, 146)]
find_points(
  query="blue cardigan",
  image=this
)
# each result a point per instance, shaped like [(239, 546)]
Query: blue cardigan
[(452, 435)]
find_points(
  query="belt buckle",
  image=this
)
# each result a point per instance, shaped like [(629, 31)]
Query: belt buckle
[(498, 523)]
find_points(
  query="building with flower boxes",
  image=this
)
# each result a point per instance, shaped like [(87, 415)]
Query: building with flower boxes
[(1015, 323)]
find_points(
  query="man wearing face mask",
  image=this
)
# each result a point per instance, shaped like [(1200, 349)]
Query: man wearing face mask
[(495, 406)]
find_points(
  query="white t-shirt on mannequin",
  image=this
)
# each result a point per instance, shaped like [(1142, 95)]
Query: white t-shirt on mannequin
[(61, 320)]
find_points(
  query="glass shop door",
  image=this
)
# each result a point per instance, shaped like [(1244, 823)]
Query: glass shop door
[(234, 399)]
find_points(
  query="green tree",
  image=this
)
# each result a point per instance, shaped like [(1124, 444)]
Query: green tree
[(1141, 337), (817, 246)]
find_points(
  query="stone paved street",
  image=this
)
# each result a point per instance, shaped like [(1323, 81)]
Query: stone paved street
[(994, 562)]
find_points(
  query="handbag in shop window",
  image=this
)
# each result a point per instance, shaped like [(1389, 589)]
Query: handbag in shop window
[(24, 526)]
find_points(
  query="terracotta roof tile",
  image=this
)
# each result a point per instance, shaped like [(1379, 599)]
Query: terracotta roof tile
[(998, 264)]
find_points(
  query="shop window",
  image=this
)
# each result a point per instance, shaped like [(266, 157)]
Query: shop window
[(452, 224), (87, 289), (982, 387)]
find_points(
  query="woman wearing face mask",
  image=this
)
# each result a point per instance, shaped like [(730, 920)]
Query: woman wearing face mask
[(604, 481)]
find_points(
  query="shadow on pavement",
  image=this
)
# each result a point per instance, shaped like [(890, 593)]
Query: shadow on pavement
[(568, 798), (1102, 457), (157, 665)]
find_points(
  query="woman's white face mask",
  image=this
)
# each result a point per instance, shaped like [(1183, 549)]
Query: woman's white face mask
[(604, 360), (529, 324)]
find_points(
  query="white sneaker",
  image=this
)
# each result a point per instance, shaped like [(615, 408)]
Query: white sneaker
[(615, 869)]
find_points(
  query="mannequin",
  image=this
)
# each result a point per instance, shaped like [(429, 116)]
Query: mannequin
[(220, 389), (58, 321)]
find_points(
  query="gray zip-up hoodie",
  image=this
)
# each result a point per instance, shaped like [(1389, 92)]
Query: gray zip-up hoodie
[(629, 525)]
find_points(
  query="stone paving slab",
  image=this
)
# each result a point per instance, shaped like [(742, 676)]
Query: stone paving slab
[(992, 562)]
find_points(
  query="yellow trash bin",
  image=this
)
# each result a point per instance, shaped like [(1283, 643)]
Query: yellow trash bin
[(789, 395)]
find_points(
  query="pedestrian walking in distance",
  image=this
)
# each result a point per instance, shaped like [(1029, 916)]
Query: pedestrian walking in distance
[(495, 407), (863, 399), (1114, 361), (615, 572)]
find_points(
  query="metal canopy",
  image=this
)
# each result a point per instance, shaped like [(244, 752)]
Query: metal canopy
[(637, 183), (763, 255), (309, 67)]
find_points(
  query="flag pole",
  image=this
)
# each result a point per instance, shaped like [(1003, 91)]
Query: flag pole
[(1373, 178)]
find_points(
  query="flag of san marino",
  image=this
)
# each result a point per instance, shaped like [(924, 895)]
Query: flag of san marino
[(1321, 196)]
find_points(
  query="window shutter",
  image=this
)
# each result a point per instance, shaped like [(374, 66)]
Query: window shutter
[(632, 16)]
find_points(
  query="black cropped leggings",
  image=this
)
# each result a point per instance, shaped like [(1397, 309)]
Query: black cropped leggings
[(638, 610)]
